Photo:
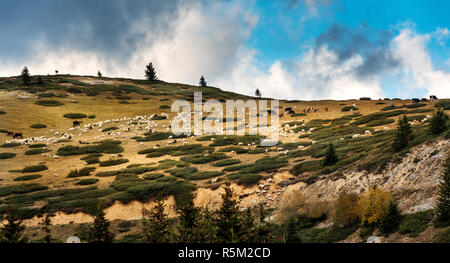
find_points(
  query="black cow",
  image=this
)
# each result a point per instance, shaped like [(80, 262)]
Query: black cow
[(10, 134), (18, 135), (76, 123)]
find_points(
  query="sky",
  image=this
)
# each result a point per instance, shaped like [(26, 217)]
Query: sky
[(288, 49)]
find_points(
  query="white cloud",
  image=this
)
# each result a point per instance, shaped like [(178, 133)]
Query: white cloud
[(317, 75), (410, 48)]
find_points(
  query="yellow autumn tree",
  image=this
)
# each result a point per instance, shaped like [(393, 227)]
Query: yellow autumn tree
[(373, 205), (346, 209), (291, 205)]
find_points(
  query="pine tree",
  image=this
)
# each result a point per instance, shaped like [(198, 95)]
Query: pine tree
[(45, 227), (292, 236), (258, 93), (99, 232), (156, 224), (207, 226), (403, 135), (12, 231), (228, 221), (443, 204), (247, 233), (391, 220), (99, 74), (188, 229), (330, 157), (40, 81), (26, 76), (150, 72), (202, 81), (438, 122)]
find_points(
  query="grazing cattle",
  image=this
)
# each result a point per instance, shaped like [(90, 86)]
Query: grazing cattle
[(10, 134), (289, 111), (433, 97), (18, 135), (76, 123), (415, 100)]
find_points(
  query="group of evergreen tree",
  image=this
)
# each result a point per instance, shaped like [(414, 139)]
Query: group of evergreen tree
[(199, 225)]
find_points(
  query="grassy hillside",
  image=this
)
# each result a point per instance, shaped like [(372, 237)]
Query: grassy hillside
[(72, 173)]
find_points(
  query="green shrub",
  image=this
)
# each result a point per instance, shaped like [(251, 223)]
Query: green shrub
[(416, 223), (226, 162), (443, 104), (416, 105), (379, 122), (37, 151), (159, 117), (164, 107), (90, 156), (21, 189), (349, 108), (33, 146), (2, 112), (183, 172), (10, 145), (224, 140), (110, 129), (27, 177), (153, 176), (38, 126), (75, 115), (49, 103), (175, 150), (204, 175), (86, 171), (113, 162), (202, 159), (107, 146), (34, 168), (92, 116), (7, 155), (443, 236), (89, 181), (157, 136)]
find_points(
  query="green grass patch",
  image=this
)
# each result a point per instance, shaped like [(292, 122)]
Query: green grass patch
[(89, 181), (38, 126), (34, 168), (416, 223), (27, 177), (34, 146), (113, 162), (107, 146), (202, 159), (7, 156), (49, 103), (21, 189), (10, 145), (110, 129), (75, 115), (157, 136), (226, 162), (37, 151)]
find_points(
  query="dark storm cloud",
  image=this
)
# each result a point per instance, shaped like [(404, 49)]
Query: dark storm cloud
[(346, 43), (102, 26)]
